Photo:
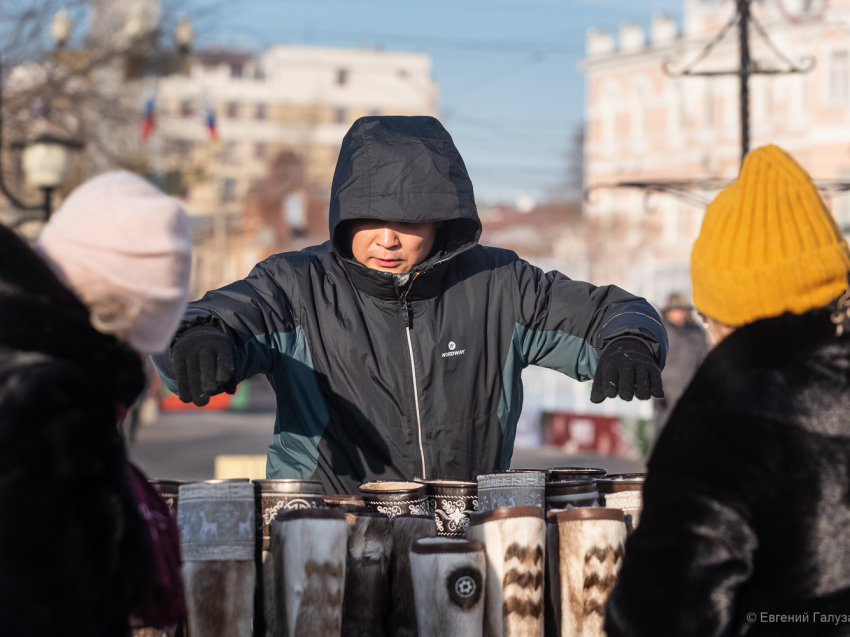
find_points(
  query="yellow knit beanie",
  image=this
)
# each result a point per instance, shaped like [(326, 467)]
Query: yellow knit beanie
[(768, 245)]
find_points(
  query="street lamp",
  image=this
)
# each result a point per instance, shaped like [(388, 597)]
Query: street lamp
[(61, 28), (184, 34), (46, 160)]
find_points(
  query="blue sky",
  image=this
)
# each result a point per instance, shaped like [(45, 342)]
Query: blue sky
[(511, 94)]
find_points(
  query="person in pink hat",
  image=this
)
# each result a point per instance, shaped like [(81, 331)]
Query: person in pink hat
[(106, 284)]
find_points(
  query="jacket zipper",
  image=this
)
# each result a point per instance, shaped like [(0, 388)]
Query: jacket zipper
[(413, 372)]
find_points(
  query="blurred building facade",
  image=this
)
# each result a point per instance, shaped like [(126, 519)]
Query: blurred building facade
[(261, 184), (645, 125)]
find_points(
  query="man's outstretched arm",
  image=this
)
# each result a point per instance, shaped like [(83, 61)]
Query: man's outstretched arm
[(233, 333), (584, 331)]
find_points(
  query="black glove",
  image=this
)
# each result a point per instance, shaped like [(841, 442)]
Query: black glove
[(626, 369), (203, 358)]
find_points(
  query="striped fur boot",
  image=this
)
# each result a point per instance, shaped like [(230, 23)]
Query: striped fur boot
[(586, 548), (309, 548), (449, 584), (514, 541)]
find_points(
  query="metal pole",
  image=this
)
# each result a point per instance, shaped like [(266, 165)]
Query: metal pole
[(744, 38), (48, 193)]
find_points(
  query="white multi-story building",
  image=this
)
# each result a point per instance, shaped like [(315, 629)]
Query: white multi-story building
[(291, 98), (645, 125)]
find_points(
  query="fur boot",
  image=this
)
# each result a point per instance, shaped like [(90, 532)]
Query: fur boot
[(220, 597), (406, 530), (514, 539), (265, 571), (590, 553), (309, 548), (449, 584), (218, 542), (367, 571), (552, 583)]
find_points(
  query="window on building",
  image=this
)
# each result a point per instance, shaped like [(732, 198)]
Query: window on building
[(342, 77), (260, 150), (295, 214), (233, 110), (340, 116), (261, 112), (187, 108), (608, 116), (229, 153), (839, 76), (228, 190), (175, 184), (236, 70), (639, 113), (709, 105), (184, 148)]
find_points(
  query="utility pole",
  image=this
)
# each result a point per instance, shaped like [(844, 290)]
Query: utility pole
[(745, 71), (746, 68)]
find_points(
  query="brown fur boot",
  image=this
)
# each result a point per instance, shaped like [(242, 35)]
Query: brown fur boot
[(367, 577), (309, 548), (406, 530), (220, 597), (514, 539), (590, 553), (217, 540), (448, 582)]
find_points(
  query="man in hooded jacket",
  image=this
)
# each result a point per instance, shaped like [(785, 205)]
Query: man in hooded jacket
[(396, 348)]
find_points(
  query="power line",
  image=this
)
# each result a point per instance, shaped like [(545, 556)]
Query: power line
[(570, 47), (746, 67)]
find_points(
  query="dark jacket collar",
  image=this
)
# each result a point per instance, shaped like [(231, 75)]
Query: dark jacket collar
[(421, 283), (40, 314)]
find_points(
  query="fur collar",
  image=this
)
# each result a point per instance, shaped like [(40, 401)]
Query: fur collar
[(790, 369)]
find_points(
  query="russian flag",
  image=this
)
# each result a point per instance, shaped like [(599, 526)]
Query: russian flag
[(209, 120), (149, 122)]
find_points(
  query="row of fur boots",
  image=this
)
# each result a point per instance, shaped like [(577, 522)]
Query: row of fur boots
[(332, 573)]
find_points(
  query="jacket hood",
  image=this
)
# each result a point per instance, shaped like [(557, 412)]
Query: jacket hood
[(403, 169), (39, 314)]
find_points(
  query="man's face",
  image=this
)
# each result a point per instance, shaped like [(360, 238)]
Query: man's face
[(677, 316), (391, 246)]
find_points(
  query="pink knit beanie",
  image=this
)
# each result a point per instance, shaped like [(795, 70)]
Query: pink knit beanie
[(117, 236)]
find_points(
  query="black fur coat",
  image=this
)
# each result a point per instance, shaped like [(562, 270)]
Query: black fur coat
[(73, 549), (747, 501)]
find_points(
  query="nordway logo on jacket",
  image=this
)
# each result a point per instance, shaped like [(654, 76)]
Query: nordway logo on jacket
[(453, 351)]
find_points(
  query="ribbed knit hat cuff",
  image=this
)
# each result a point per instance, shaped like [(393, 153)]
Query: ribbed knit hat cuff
[(741, 296)]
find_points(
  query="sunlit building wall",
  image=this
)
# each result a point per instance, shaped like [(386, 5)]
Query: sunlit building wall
[(646, 125)]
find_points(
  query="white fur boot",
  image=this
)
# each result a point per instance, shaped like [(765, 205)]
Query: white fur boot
[(514, 542), (449, 583), (217, 539), (406, 530), (365, 605), (309, 548), (589, 547)]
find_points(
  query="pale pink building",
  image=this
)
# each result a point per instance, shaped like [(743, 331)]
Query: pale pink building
[(644, 125)]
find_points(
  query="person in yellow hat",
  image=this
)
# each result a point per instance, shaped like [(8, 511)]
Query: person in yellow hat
[(746, 520)]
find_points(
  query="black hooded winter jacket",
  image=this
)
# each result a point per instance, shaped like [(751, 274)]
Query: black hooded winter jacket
[(388, 376)]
